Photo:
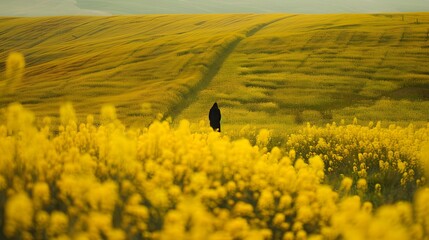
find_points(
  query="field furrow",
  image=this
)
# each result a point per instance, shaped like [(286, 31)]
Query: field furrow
[(213, 69), (127, 61), (322, 69), (289, 69)]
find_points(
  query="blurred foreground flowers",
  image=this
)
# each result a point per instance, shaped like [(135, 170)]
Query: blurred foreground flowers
[(15, 66), (110, 182)]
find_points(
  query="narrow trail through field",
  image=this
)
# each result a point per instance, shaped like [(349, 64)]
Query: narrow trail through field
[(213, 70)]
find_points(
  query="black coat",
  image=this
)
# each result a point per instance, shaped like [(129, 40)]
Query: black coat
[(214, 117)]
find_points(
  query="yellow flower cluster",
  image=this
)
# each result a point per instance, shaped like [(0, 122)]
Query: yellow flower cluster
[(109, 182), (380, 164), (15, 66)]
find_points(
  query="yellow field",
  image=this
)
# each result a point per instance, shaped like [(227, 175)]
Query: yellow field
[(72, 166), (288, 68), (125, 61), (324, 68), (111, 182)]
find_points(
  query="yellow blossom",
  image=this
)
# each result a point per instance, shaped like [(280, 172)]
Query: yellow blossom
[(18, 214), (266, 202), (15, 66), (108, 114), (279, 219), (67, 114), (362, 185), (41, 194), (292, 154), (346, 184), (58, 224), (242, 209), (305, 214), (263, 137), (424, 157), (237, 228)]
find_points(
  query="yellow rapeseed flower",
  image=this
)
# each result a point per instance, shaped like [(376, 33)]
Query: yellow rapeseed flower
[(58, 224), (67, 114), (18, 215), (15, 66), (263, 137), (346, 184)]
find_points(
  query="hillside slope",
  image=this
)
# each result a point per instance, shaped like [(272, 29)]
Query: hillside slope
[(271, 70), (324, 68), (121, 60)]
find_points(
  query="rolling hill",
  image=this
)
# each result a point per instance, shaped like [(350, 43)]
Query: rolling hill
[(272, 70), (98, 178), (115, 7), (323, 68), (126, 61)]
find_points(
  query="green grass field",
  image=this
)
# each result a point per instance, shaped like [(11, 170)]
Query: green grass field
[(271, 71)]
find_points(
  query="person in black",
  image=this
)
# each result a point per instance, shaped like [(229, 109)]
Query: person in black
[(214, 117)]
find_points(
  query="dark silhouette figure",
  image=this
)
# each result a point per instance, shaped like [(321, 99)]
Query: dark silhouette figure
[(214, 117)]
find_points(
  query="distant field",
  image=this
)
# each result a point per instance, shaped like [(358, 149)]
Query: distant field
[(126, 61), (275, 71), (324, 68)]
